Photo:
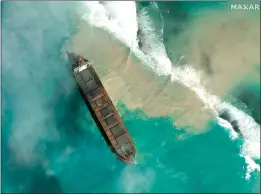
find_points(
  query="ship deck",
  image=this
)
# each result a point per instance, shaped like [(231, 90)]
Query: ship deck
[(104, 112)]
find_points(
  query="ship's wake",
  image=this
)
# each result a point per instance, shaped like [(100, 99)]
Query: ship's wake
[(136, 28)]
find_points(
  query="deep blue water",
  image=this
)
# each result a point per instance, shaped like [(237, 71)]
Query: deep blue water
[(41, 114)]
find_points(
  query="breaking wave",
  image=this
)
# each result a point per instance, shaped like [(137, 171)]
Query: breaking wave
[(124, 26), (139, 31)]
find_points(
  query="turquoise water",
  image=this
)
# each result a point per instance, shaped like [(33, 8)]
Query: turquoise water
[(46, 126)]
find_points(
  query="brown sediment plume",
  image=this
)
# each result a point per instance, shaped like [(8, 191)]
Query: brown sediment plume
[(125, 79), (225, 45)]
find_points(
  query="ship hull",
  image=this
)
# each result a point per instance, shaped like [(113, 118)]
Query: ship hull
[(103, 111)]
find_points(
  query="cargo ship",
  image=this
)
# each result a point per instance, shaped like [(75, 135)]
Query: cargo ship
[(102, 109)]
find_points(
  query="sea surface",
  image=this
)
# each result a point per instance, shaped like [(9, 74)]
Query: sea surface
[(172, 108)]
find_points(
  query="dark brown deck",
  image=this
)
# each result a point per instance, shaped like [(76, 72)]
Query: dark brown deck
[(104, 112)]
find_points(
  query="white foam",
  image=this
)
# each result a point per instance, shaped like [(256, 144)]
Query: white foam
[(153, 42), (248, 127), (251, 167), (119, 18), (227, 125)]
